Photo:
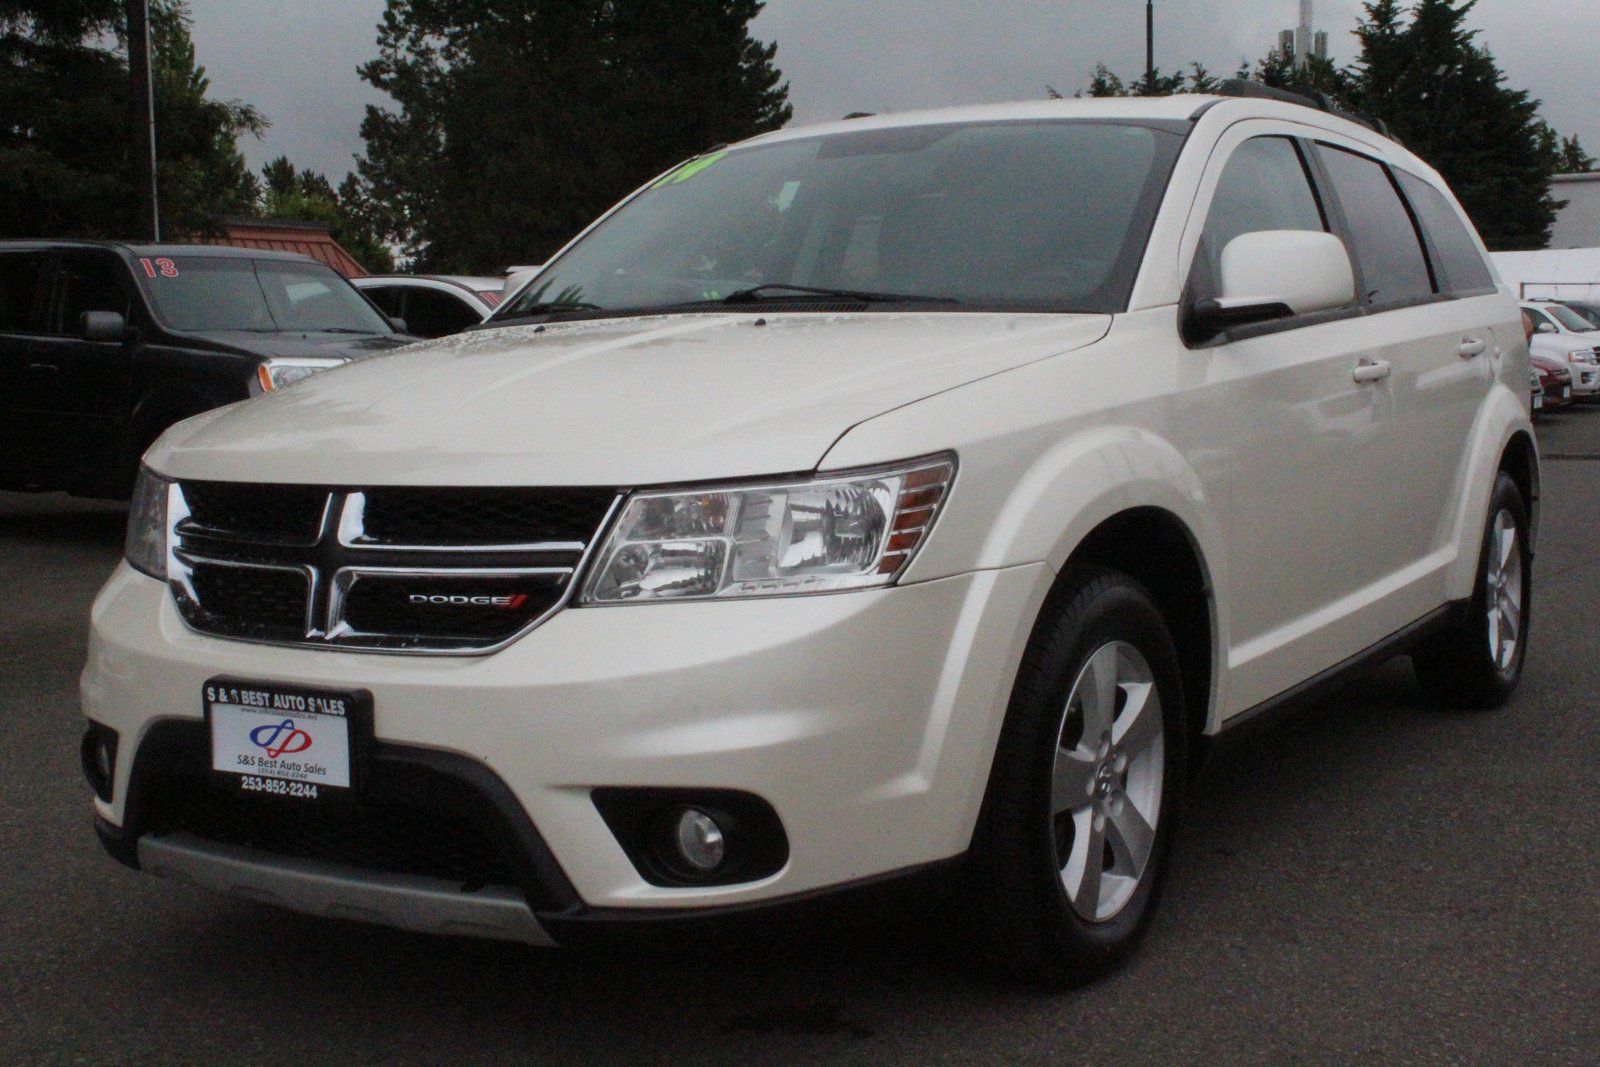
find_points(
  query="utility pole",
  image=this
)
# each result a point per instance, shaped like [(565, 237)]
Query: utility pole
[(1149, 46), (142, 117)]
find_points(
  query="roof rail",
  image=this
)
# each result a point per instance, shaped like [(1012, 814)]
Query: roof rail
[(1312, 98)]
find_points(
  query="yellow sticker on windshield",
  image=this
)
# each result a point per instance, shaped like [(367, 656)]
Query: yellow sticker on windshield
[(689, 170)]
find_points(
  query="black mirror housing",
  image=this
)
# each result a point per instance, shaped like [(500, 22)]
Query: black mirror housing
[(103, 326)]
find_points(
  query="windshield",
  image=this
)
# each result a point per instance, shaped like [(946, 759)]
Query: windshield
[(1026, 215), (1568, 318), (203, 293)]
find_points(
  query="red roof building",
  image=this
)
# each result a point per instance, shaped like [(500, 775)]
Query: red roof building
[(289, 235)]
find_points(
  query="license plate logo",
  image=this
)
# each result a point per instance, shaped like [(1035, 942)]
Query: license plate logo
[(280, 736)]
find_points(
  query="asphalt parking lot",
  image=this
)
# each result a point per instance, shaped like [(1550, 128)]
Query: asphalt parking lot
[(1376, 881)]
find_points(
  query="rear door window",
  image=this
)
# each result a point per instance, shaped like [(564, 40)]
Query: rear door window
[(1457, 259), (1394, 267), (21, 286)]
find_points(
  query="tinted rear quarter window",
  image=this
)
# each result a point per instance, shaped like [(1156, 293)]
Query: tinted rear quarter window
[(1458, 261), (1393, 265)]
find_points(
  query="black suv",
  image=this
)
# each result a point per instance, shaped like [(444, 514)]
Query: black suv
[(103, 346)]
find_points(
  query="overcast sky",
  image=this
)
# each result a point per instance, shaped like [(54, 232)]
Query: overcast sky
[(296, 59)]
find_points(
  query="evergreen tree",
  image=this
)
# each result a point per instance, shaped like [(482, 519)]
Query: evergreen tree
[(1443, 95), (519, 121), (1572, 159), (1423, 73), (65, 142)]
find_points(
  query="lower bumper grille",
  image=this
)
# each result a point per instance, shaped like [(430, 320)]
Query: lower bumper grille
[(392, 838)]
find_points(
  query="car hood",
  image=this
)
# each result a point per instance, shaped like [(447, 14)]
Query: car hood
[(610, 402), (297, 343)]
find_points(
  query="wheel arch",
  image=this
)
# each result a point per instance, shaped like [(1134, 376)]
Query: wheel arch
[(1158, 550), (1502, 440)]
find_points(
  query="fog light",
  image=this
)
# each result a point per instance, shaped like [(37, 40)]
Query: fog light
[(700, 842), (99, 756)]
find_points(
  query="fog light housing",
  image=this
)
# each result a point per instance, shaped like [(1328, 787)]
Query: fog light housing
[(98, 753), (695, 837)]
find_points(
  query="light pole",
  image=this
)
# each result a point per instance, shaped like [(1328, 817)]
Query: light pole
[(142, 111), (1149, 46)]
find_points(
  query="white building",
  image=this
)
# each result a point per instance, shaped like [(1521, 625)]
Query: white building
[(1578, 224)]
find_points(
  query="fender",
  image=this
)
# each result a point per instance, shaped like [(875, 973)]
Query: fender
[(1500, 418)]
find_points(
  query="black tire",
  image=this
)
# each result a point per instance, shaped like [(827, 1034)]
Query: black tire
[(1457, 668), (1022, 919)]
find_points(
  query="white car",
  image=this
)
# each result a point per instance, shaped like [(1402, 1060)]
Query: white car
[(432, 305), (1563, 334), (909, 496)]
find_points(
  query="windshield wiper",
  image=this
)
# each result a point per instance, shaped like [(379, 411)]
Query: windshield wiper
[(328, 329), (534, 311), (776, 290)]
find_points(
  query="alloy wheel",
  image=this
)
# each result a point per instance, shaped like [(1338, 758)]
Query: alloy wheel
[(1106, 786)]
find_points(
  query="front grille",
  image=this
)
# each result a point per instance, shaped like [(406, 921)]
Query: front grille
[(414, 839), (271, 514), (384, 569), (260, 603), (468, 608), (452, 517)]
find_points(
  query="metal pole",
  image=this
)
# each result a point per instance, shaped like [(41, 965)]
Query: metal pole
[(143, 107), (1149, 46)]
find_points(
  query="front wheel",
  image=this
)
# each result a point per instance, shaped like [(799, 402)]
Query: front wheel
[(1478, 661), (1086, 786)]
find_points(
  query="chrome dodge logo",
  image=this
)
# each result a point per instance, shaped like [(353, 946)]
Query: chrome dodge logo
[(510, 602)]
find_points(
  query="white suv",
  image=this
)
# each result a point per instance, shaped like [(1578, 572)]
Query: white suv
[(911, 494), (1562, 334)]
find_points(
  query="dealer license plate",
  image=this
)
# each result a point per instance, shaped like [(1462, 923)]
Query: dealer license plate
[(282, 740)]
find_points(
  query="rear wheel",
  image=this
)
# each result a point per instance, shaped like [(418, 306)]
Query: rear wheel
[(1478, 661), (1086, 786)]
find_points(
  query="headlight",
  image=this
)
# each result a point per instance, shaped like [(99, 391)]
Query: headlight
[(275, 373), (146, 544), (852, 530)]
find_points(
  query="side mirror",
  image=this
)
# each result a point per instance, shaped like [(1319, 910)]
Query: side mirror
[(1545, 327), (398, 324), (1274, 274), (103, 326)]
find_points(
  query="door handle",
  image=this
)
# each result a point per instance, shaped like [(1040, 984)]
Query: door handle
[(1471, 346), (1371, 370), (44, 368)]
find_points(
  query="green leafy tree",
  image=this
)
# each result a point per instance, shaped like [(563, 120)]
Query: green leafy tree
[(519, 121), (66, 146), (289, 193)]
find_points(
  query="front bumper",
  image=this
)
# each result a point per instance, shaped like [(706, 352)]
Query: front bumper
[(867, 720), (1585, 379)]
